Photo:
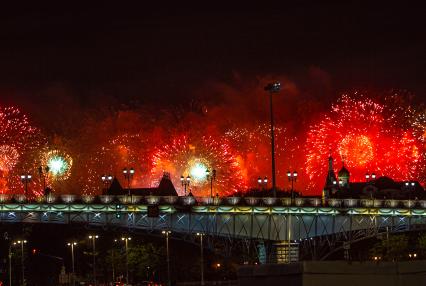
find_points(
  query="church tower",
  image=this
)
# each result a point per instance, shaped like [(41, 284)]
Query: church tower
[(331, 181), (343, 176)]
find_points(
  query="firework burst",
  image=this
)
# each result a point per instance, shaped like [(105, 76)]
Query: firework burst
[(253, 147), (123, 151), (191, 155), (59, 163), (368, 137), (19, 142), (9, 156)]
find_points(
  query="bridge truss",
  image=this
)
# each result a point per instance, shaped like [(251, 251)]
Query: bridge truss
[(267, 223)]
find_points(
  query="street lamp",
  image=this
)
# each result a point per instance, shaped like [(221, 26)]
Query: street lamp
[(10, 264), (93, 238), (212, 178), (113, 262), (128, 175), (107, 181), (167, 233), (21, 243), (126, 244), (272, 88), (370, 177), (43, 173), (410, 187), (262, 182), (202, 256), (72, 245), (185, 181), (292, 177), (25, 179)]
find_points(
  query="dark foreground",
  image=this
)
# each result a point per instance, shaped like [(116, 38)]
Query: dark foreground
[(335, 273)]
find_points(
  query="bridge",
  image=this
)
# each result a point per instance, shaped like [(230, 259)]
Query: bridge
[(265, 219)]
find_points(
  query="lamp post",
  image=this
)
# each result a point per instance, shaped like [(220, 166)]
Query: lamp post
[(410, 187), (128, 175), (107, 180), (21, 244), (202, 256), (263, 183), (272, 88), (126, 245), (43, 173), (72, 244), (10, 264), (93, 239), (292, 177), (25, 179), (185, 182), (167, 233), (113, 263), (212, 178), (370, 177)]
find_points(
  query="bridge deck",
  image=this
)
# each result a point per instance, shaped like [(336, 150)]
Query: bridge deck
[(142, 208), (232, 221)]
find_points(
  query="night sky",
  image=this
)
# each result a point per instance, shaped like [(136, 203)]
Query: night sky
[(158, 54), (63, 65), (196, 71)]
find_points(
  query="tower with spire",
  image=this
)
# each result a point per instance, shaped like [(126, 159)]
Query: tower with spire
[(331, 179), (331, 185)]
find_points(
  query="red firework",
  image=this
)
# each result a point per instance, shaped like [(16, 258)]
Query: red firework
[(191, 155), (253, 147), (124, 151), (367, 137), (19, 144)]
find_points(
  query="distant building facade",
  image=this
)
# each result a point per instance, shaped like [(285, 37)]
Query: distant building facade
[(380, 187)]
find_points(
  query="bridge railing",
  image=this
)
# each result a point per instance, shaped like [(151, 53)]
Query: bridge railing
[(215, 201)]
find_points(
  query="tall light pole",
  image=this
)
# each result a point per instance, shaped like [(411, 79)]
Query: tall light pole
[(107, 180), (43, 172), (167, 233), (126, 245), (128, 175), (21, 243), (211, 177), (272, 88), (93, 239), (72, 244), (202, 257), (113, 263), (292, 177), (25, 179), (185, 182), (10, 264)]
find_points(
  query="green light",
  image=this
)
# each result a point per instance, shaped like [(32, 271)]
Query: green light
[(57, 165)]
